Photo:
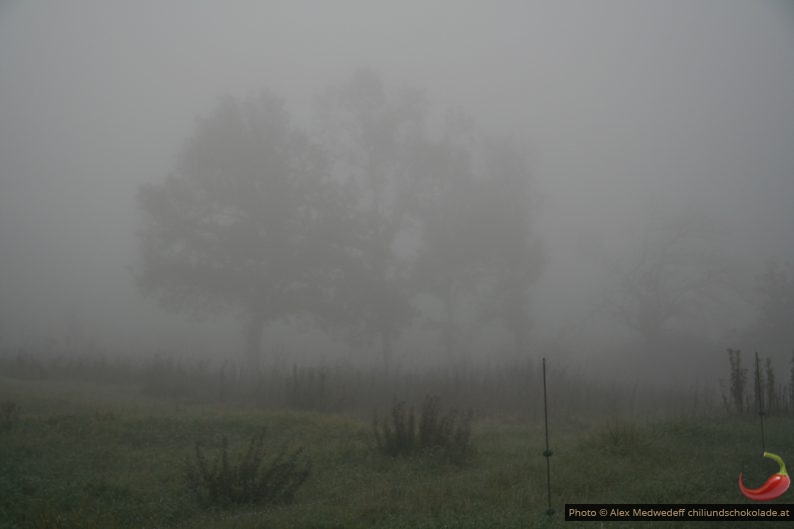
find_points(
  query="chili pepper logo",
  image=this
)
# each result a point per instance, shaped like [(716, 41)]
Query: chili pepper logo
[(776, 485)]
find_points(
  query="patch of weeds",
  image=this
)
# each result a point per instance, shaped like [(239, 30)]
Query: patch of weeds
[(447, 435), (222, 483), (108, 493), (620, 438), (50, 517), (396, 436)]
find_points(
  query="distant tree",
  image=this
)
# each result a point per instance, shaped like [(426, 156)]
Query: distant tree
[(248, 222), (375, 137), (447, 265), (514, 252), (676, 274), (774, 325), (477, 245)]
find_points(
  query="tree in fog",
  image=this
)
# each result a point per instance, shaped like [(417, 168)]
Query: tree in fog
[(374, 136), (676, 275), (774, 326), (477, 245), (446, 265), (514, 253), (247, 222)]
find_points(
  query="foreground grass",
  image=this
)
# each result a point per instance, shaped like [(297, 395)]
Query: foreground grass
[(84, 456)]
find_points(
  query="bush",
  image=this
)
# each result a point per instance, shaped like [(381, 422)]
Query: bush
[(438, 434), (397, 437), (248, 481)]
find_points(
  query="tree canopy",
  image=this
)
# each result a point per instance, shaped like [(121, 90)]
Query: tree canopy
[(247, 221), (345, 226)]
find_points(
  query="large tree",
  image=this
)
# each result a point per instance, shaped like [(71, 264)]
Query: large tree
[(374, 136), (478, 254), (248, 221), (513, 251), (447, 265)]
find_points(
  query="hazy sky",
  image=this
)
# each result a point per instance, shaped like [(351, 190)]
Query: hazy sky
[(625, 108)]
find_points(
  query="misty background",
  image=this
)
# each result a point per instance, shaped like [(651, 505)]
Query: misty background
[(631, 114)]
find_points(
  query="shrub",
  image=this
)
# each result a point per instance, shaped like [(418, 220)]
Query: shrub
[(396, 437), (438, 434), (248, 481)]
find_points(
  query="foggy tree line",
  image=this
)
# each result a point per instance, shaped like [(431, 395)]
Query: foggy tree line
[(379, 216), (679, 275), (347, 225)]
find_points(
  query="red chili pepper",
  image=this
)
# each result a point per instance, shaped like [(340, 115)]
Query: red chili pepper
[(776, 485)]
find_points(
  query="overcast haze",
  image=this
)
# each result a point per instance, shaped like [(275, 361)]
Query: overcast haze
[(628, 111)]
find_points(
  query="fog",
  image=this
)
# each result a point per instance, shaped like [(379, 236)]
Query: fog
[(632, 116)]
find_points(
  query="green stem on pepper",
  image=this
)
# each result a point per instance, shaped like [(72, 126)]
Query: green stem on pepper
[(773, 488)]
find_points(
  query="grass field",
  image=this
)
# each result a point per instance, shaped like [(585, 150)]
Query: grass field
[(83, 455)]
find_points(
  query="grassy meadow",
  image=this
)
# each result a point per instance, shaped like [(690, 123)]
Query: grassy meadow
[(85, 454)]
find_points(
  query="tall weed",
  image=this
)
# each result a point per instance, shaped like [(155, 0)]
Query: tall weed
[(221, 482)]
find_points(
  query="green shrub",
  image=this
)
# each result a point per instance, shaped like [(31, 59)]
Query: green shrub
[(448, 435), (248, 481), (396, 437)]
